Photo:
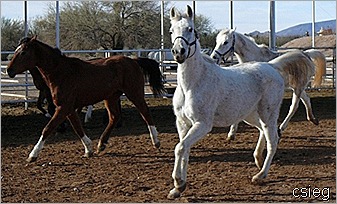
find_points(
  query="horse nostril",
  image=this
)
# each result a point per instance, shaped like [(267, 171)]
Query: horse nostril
[(182, 51), (173, 51), (214, 57)]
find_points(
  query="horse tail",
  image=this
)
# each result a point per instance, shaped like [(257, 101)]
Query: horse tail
[(318, 59), (152, 74), (295, 67)]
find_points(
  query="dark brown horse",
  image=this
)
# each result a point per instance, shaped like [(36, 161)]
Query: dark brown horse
[(44, 93), (150, 66), (75, 83)]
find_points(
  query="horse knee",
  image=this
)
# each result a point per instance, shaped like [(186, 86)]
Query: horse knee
[(179, 149)]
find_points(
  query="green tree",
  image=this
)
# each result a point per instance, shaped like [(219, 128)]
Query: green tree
[(11, 32), (206, 32)]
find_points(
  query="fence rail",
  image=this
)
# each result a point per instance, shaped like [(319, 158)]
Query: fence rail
[(21, 88)]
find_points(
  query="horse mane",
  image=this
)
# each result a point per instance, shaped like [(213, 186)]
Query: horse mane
[(207, 58), (28, 39), (251, 38), (24, 40)]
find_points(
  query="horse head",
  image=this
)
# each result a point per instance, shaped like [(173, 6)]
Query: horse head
[(24, 57), (183, 35), (225, 42)]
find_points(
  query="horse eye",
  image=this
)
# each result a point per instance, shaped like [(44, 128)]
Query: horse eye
[(170, 32), (225, 43), (190, 29)]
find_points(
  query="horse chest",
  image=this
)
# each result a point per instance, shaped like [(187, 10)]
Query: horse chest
[(190, 105)]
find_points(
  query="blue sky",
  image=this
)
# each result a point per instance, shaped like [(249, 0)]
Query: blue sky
[(248, 15)]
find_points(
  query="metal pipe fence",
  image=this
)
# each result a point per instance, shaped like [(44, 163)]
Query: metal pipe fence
[(21, 88)]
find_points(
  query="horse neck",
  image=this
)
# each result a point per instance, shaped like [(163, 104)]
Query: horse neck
[(47, 63), (246, 50), (190, 71), (37, 78)]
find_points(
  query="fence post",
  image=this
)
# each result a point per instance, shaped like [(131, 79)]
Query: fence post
[(334, 68)]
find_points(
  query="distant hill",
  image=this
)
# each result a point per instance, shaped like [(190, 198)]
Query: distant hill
[(300, 30)]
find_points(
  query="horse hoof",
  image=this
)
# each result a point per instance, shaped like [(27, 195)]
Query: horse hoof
[(31, 159), (315, 121), (257, 181), (174, 193), (100, 148), (157, 145), (230, 138), (88, 154)]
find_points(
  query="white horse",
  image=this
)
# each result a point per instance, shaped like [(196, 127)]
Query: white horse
[(209, 96), (245, 49)]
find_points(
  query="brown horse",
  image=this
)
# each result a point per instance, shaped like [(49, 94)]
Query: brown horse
[(75, 83), (150, 66)]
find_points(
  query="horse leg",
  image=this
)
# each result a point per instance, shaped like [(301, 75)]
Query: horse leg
[(39, 104), (142, 107), (306, 101), (182, 126), (293, 107), (88, 113), (271, 135), (113, 113), (57, 119), (49, 98), (253, 120), (120, 120), (182, 151), (232, 132), (77, 126), (51, 110)]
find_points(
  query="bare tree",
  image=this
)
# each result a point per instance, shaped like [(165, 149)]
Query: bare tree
[(104, 25)]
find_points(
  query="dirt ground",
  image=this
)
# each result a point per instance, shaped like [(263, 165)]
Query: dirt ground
[(131, 170)]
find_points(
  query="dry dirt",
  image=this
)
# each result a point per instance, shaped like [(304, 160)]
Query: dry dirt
[(131, 170)]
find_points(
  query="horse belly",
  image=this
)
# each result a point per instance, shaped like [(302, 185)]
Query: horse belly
[(92, 93), (236, 107), (225, 120)]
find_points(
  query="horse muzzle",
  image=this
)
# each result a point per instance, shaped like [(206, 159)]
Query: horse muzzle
[(179, 55), (216, 58), (10, 73)]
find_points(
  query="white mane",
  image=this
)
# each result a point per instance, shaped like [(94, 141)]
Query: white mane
[(207, 58)]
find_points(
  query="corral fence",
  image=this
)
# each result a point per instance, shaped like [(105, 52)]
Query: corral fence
[(21, 88)]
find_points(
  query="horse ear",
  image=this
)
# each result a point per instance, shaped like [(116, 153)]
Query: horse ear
[(173, 13), (189, 11)]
